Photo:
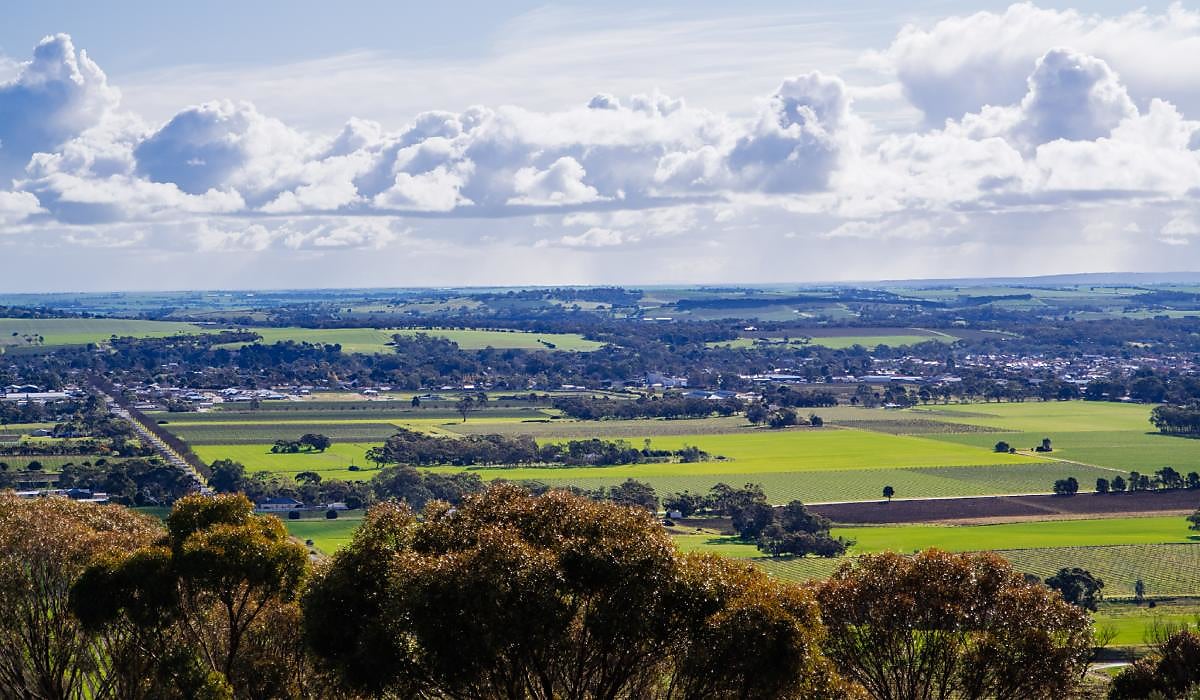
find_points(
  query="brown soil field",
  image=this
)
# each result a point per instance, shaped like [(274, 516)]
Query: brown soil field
[(1001, 508)]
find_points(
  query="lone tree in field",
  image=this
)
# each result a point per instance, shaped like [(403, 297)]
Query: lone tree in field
[(466, 406), (1002, 446), (517, 596), (939, 625), (1078, 587), (888, 492)]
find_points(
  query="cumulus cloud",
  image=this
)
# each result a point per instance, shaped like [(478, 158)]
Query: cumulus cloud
[(620, 174), (55, 96), (960, 64), (561, 183), (16, 206)]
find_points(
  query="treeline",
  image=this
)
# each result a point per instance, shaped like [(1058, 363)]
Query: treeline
[(1177, 420), (421, 449), (669, 406), (506, 596)]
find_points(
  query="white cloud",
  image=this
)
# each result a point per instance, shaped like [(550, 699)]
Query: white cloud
[(1064, 152), (961, 64), (15, 206), (55, 96), (592, 238), (561, 183)]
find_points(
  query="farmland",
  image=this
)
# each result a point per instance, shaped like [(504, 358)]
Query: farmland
[(328, 536), (376, 340), (53, 332), (934, 451)]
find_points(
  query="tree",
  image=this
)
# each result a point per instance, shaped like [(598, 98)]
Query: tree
[(1066, 487), (1171, 671), (1139, 591), (465, 406), (1077, 586), (416, 401), (1194, 519), (218, 578), (686, 503), (756, 413), (1118, 484), (511, 595), (1101, 485), (45, 544), (939, 625), (888, 492), (1002, 446), (316, 441), (308, 477), (634, 493), (815, 421)]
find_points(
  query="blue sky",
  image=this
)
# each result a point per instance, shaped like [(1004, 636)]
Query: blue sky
[(167, 145)]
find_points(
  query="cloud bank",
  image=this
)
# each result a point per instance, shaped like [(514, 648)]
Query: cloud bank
[(1027, 112)]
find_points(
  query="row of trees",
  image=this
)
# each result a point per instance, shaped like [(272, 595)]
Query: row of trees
[(1177, 420), (585, 408), (416, 448), (308, 442), (508, 595)]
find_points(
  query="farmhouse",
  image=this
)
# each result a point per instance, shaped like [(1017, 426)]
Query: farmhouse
[(278, 505)]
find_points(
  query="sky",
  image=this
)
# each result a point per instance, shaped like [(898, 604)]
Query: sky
[(269, 144)]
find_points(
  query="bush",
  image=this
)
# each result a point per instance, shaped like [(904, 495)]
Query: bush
[(293, 515), (331, 514)]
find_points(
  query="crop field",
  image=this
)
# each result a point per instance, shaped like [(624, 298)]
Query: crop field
[(332, 463), (1038, 535), (867, 484), (266, 433), (1046, 417), (764, 451), (1166, 569), (376, 340), (51, 463), (52, 332)]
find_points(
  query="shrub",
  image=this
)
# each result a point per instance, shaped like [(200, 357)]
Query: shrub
[(331, 514)]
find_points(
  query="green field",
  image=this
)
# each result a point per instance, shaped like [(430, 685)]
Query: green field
[(1134, 625), (973, 538), (375, 340), (332, 463), (53, 332), (327, 535), (1166, 569), (1045, 416), (840, 342), (791, 451)]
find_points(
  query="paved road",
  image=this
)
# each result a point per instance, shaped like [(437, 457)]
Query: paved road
[(163, 449)]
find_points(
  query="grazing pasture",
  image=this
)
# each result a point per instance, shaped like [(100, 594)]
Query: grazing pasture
[(376, 340), (328, 536), (54, 332)]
